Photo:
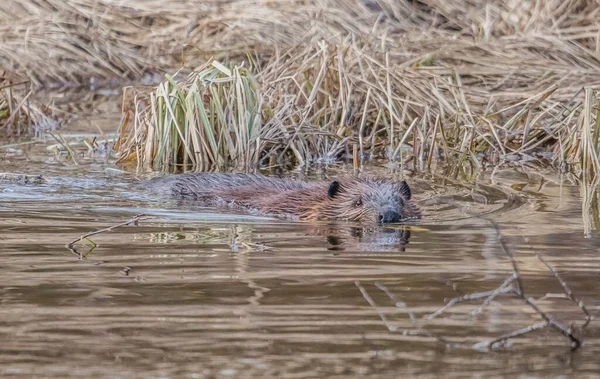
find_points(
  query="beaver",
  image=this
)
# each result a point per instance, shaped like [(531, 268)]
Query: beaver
[(350, 198)]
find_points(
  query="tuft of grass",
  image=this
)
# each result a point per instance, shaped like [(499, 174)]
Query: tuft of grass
[(71, 42), (212, 120), (19, 114), (323, 102), (420, 82)]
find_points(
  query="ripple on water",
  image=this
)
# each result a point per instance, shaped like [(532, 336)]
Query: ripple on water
[(198, 293)]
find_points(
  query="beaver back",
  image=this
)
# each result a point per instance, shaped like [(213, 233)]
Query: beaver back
[(367, 198)]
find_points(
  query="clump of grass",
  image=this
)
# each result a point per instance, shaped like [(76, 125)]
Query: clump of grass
[(70, 42), (323, 102), (213, 119), (580, 142), (412, 81), (20, 114)]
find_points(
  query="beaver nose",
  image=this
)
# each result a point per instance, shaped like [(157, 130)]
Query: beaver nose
[(388, 216)]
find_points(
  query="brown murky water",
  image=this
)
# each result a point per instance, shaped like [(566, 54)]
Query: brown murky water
[(193, 293)]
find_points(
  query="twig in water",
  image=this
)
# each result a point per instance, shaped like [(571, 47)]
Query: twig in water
[(502, 289), (553, 323), (510, 255), (387, 323), (516, 333), (371, 302), (397, 302), (402, 305), (128, 222), (471, 296), (568, 292), (521, 293)]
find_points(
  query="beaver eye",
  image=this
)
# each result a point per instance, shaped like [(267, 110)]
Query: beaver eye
[(358, 203)]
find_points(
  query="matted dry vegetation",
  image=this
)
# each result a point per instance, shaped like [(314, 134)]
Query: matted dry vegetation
[(18, 114), (398, 79)]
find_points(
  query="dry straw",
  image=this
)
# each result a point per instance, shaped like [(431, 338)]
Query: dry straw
[(19, 114), (325, 101), (213, 119), (399, 79), (72, 41)]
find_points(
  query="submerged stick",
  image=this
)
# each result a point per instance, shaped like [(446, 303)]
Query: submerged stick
[(553, 323), (510, 255), (398, 304), (504, 287), (128, 222), (402, 305), (516, 333), (568, 292), (471, 296), (372, 303), (519, 290), (22, 178)]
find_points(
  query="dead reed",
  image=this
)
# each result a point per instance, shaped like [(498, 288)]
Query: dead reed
[(326, 101), (423, 81), (210, 120), (70, 42), (19, 113)]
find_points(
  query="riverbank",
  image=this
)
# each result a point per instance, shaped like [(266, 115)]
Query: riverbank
[(411, 81)]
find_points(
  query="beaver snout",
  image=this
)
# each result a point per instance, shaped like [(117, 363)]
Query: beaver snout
[(388, 216)]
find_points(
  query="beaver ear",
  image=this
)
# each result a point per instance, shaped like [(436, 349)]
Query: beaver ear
[(405, 190), (334, 188)]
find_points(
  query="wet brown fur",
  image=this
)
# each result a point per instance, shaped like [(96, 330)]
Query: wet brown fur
[(349, 198)]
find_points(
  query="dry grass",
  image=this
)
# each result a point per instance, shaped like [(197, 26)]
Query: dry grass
[(213, 119), (71, 41), (19, 114), (324, 101), (412, 80)]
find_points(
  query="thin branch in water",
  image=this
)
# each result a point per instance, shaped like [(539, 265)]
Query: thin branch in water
[(402, 305), (371, 302), (553, 323), (510, 255), (398, 303), (451, 302), (516, 333), (521, 293), (504, 288), (133, 220), (568, 292)]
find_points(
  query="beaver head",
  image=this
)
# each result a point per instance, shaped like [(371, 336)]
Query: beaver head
[(371, 199)]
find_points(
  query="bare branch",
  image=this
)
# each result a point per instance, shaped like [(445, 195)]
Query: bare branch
[(128, 222), (568, 292), (516, 333), (371, 302), (471, 296), (504, 288), (553, 323)]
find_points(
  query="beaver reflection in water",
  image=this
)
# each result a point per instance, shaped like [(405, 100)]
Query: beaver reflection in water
[(352, 198)]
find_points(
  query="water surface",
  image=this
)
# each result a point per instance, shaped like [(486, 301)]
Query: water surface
[(201, 293)]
